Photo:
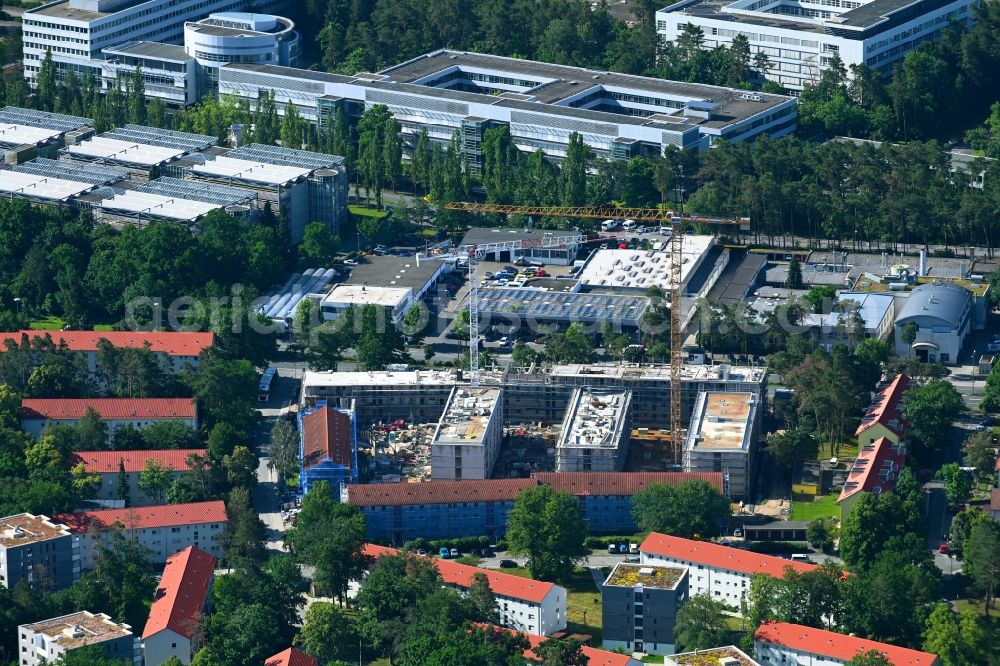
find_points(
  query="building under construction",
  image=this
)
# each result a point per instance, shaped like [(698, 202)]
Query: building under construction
[(467, 439), (595, 431)]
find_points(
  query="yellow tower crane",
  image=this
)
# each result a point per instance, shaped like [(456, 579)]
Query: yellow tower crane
[(676, 221)]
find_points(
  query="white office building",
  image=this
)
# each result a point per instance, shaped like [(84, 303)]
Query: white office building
[(78, 31), (168, 72), (799, 38), (467, 439)]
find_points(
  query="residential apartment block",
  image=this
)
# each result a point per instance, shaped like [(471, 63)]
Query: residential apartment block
[(328, 447), (138, 413), (595, 432), (400, 512), (723, 436), (639, 605), (110, 464), (291, 657), (444, 92), (875, 471), (595, 656), (38, 551), (884, 417), (174, 349), (44, 642), (784, 644), (164, 530), (467, 440), (78, 31), (174, 625), (526, 605), (800, 39), (721, 572)]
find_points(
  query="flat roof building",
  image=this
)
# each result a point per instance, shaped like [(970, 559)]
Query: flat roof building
[(44, 642), (543, 245), (55, 182), (941, 315), (445, 91), (394, 300), (639, 606), (800, 40), (171, 74), (310, 186), (467, 439), (595, 431), (29, 131), (176, 200), (139, 148), (38, 551), (722, 437), (78, 31), (638, 270), (523, 306), (728, 655)]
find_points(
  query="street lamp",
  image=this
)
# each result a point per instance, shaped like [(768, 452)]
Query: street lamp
[(975, 371), (17, 305)]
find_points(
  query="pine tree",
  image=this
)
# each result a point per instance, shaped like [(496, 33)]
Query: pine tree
[(266, 119), (137, 97), (47, 82), (420, 162), (124, 491)]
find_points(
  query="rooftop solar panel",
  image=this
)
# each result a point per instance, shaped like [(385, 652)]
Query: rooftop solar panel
[(95, 174), (152, 136), (125, 152), (257, 152), (40, 187), (251, 171), (18, 135), (157, 206), (59, 122), (220, 195)]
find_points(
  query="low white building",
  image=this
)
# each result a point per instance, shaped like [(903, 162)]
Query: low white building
[(44, 642), (38, 413), (467, 439), (722, 436), (595, 432), (783, 644), (531, 606), (174, 625), (164, 530), (395, 300), (721, 572), (174, 350), (110, 464), (939, 316)]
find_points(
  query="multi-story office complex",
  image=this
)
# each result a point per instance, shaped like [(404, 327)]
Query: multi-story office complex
[(722, 437), (78, 31), (639, 605), (164, 529), (800, 38), (38, 551), (169, 73), (467, 440), (240, 37), (444, 92), (44, 642), (595, 431)]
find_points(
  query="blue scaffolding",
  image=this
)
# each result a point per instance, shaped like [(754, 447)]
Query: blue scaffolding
[(336, 474)]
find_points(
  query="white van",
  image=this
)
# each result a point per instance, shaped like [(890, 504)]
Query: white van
[(799, 557), (609, 225), (629, 225)]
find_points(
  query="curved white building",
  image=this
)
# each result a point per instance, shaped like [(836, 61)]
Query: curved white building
[(241, 37)]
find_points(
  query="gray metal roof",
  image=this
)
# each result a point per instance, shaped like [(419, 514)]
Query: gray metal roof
[(57, 122), (152, 136), (936, 303), (305, 159), (506, 302), (482, 235), (95, 174), (194, 190), (151, 50)]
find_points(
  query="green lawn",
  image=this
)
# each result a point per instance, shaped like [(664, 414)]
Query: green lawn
[(104, 327), (365, 212), (847, 449), (824, 506), (50, 323)]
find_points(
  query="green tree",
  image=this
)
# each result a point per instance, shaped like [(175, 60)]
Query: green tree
[(154, 480), (794, 278), (870, 524), (820, 534), (319, 246), (869, 658), (283, 450), (89, 655), (523, 356), (908, 332), (293, 128), (243, 539), (701, 624), (930, 410), (556, 652), (91, 432), (685, 510), (241, 467), (124, 491), (327, 633), (982, 558), (548, 526), (46, 81), (787, 446), (980, 452), (136, 96), (957, 484), (266, 124), (573, 346)]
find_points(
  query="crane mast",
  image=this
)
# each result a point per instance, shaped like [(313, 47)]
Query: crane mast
[(675, 288)]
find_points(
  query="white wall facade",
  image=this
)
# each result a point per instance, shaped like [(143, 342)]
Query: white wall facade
[(161, 646), (771, 654), (729, 587), (543, 618), (109, 487), (35, 426), (798, 56), (174, 83), (161, 541)]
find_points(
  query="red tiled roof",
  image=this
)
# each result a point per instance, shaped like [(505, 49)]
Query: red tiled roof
[(104, 462), (595, 656), (995, 499), (497, 490), (875, 470), (886, 407), (172, 343), (837, 646), (621, 483), (996, 467), (108, 408), (291, 657), (144, 517), (461, 575), (436, 492), (326, 435), (181, 593), (720, 557)]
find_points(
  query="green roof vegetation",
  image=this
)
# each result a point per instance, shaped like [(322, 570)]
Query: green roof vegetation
[(630, 575)]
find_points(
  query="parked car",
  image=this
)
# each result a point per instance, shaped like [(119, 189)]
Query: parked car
[(521, 261), (351, 262), (632, 559), (623, 548), (406, 253), (943, 549), (508, 564), (504, 341), (612, 548), (541, 273), (421, 552), (454, 552), (488, 275)]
